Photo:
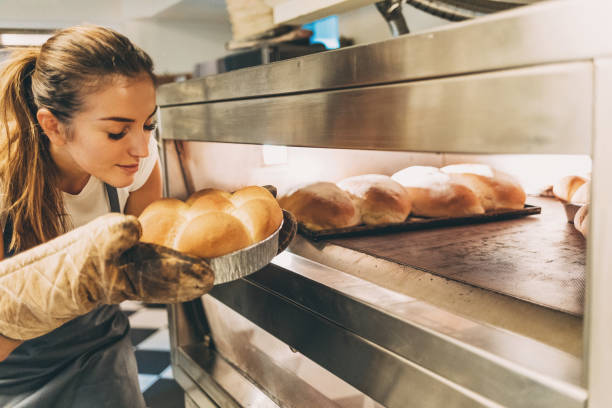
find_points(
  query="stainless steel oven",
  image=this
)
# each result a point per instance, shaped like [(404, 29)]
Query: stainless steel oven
[(520, 317)]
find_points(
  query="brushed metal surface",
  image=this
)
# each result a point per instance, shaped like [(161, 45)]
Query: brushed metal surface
[(542, 33), (540, 259), (558, 330), (428, 346), (545, 109), (245, 261), (386, 377), (287, 375), (221, 382)]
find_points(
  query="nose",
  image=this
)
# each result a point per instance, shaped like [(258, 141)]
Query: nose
[(139, 147)]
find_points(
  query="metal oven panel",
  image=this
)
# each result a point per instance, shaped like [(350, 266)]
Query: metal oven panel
[(532, 110), (541, 34)]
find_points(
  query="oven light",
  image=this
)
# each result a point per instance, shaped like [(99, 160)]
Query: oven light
[(274, 155)]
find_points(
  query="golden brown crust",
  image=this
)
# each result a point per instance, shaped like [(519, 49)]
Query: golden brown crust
[(495, 189), (207, 192), (380, 199), (581, 220), (213, 234), (250, 193), (260, 216), (582, 194), (434, 194), (320, 206), (210, 202), (161, 220), (212, 222), (565, 188)]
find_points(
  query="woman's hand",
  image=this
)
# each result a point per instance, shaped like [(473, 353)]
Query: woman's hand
[(102, 262)]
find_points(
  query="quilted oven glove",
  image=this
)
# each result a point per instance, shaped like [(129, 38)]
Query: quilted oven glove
[(99, 263)]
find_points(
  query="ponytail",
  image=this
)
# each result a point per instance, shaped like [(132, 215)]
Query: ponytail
[(28, 175)]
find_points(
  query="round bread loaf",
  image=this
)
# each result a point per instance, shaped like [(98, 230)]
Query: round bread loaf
[(321, 206), (380, 199), (582, 194), (212, 234), (496, 190), (565, 188), (210, 199), (161, 220), (212, 222), (434, 194), (581, 220)]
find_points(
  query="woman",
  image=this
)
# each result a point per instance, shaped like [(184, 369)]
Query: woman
[(76, 117)]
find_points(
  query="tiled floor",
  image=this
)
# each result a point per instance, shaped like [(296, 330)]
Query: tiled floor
[(149, 335)]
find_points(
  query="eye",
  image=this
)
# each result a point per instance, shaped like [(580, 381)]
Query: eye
[(117, 136), (151, 127)]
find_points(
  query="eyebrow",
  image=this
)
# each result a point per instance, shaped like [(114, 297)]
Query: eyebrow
[(127, 120)]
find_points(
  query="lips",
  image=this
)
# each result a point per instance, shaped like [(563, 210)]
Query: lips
[(130, 168)]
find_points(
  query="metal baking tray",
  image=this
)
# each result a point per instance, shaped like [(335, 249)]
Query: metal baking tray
[(417, 223), (246, 261)]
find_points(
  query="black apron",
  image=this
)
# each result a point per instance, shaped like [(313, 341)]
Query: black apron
[(87, 362)]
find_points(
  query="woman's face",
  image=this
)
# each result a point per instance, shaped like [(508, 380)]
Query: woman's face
[(111, 134)]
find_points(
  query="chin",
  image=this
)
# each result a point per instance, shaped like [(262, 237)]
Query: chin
[(119, 182)]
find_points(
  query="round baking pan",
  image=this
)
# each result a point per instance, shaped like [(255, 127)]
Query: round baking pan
[(243, 262)]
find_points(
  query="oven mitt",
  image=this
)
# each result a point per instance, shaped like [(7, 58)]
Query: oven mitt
[(99, 263)]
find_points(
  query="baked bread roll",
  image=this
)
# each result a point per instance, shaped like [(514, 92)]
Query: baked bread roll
[(565, 188), (496, 190), (321, 206), (161, 220), (212, 222), (209, 199), (581, 220), (212, 234), (582, 194), (380, 199), (434, 194)]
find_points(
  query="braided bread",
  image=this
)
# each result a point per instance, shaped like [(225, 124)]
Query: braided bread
[(212, 222)]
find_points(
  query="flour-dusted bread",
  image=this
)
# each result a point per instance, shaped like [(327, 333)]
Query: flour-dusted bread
[(496, 190), (581, 220), (582, 194), (565, 188), (212, 222), (380, 199), (434, 194), (321, 206)]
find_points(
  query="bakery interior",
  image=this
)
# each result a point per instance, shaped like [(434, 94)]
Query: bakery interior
[(509, 311)]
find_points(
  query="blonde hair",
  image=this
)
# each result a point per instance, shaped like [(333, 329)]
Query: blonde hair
[(57, 76)]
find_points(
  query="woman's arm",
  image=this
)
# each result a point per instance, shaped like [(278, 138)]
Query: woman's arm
[(145, 195), (6, 345)]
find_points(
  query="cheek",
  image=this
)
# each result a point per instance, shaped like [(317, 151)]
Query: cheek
[(97, 153)]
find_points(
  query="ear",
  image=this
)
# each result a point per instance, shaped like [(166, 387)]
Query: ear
[(51, 126)]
